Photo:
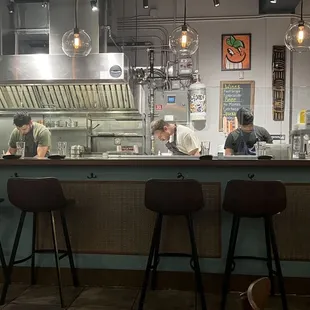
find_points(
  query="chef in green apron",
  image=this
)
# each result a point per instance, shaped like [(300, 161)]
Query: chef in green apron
[(36, 136)]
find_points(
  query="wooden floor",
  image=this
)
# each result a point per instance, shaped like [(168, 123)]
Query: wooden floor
[(23, 297)]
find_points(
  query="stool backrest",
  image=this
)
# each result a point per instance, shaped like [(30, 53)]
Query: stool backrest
[(173, 197), (36, 194), (254, 198)]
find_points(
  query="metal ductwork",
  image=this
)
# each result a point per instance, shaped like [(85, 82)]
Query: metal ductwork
[(277, 6), (98, 82)]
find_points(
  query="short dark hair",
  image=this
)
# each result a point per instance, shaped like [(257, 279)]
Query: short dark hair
[(158, 125), (245, 117), (21, 119)]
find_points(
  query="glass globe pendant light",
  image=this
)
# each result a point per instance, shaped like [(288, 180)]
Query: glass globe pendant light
[(297, 37), (184, 40), (76, 42)]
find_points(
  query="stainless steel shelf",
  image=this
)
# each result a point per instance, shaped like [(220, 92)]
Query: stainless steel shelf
[(66, 128), (117, 135)]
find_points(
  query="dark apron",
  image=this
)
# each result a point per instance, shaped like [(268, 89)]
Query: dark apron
[(30, 145), (243, 149), (172, 146)]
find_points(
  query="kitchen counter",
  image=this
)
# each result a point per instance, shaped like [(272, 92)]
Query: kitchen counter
[(147, 161)]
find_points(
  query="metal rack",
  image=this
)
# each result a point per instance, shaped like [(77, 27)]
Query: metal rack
[(117, 135)]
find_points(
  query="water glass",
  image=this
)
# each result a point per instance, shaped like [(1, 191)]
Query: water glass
[(205, 148), (20, 149), (62, 148)]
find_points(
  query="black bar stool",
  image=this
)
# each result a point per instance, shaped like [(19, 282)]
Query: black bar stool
[(254, 199), (39, 195), (2, 258), (173, 198)]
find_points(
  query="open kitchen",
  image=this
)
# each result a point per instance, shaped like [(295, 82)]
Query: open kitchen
[(126, 92)]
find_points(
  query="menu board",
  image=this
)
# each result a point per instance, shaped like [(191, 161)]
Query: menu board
[(233, 96)]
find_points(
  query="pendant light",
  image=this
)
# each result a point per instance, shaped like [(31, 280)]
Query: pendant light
[(297, 37), (76, 42), (184, 39)]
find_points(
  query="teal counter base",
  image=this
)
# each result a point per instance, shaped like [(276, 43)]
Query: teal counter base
[(250, 242)]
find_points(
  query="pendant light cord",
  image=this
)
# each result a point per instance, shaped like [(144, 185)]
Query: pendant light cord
[(76, 4), (185, 12), (301, 10)]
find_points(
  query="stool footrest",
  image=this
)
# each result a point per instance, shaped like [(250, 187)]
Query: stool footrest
[(251, 257), (64, 254), (174, 255)]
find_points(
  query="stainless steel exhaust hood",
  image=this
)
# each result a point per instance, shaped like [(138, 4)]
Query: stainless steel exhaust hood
[(98, 82)]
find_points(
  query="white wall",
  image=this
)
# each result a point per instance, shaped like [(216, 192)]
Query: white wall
[(211, 23)]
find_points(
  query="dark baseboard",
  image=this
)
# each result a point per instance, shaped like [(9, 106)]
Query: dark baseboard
[(166, 280)]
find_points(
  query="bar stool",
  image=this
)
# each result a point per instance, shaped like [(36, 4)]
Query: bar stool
[(173, 198), (2, 258), (37, 195), (254, 199)]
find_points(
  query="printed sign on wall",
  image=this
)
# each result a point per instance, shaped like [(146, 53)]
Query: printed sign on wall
[(236, 52)]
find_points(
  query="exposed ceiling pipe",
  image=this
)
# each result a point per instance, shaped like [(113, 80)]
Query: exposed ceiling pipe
[(170, 21)]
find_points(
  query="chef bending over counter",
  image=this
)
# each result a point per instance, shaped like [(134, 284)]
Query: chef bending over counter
[(241, 141), (180, 140), (37, 137)]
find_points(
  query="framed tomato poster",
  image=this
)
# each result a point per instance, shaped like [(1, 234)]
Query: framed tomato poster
[(236, 52)]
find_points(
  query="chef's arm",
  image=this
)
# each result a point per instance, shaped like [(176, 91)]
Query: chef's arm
[(194, 152), (229, 145), (41, 151), (44, 141), (229, 152), (11, 151)]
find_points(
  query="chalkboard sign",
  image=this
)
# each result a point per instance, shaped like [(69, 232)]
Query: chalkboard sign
[(233, 96)]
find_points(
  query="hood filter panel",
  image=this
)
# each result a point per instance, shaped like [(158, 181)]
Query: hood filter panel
[(96, 97)]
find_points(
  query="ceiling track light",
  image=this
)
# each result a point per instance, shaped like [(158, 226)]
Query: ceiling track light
[(10, 6), (94, 6), (216, 3), (145, 4), (44, 4)]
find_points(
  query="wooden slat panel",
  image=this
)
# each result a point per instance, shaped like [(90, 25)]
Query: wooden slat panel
[(110, 217), (293, 225)]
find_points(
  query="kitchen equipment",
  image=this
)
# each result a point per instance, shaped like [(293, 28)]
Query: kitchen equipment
[(56, 156), (60, 123), (76, 151), (72, 123), (11, 156)]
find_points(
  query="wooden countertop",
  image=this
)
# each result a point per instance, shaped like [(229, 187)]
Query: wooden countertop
[(156, 163)]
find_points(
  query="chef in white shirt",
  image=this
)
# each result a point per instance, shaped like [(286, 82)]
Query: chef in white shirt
[(180, 140)]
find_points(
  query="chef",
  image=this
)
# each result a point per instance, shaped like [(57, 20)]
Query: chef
[(36, 136), (180, 140), (241, 141)]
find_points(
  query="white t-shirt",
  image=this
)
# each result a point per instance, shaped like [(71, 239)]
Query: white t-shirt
[(187, 141)]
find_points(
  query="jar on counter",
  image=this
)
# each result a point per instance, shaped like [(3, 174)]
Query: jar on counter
[(76, 151)]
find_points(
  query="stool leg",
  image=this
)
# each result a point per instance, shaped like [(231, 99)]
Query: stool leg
[(198, 279), (7, 280), (69, 249), (156, 233), (33, 251), (230, 259), (3, 262), (156, 254), (277, 263), (269, 256), (56, 257)]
